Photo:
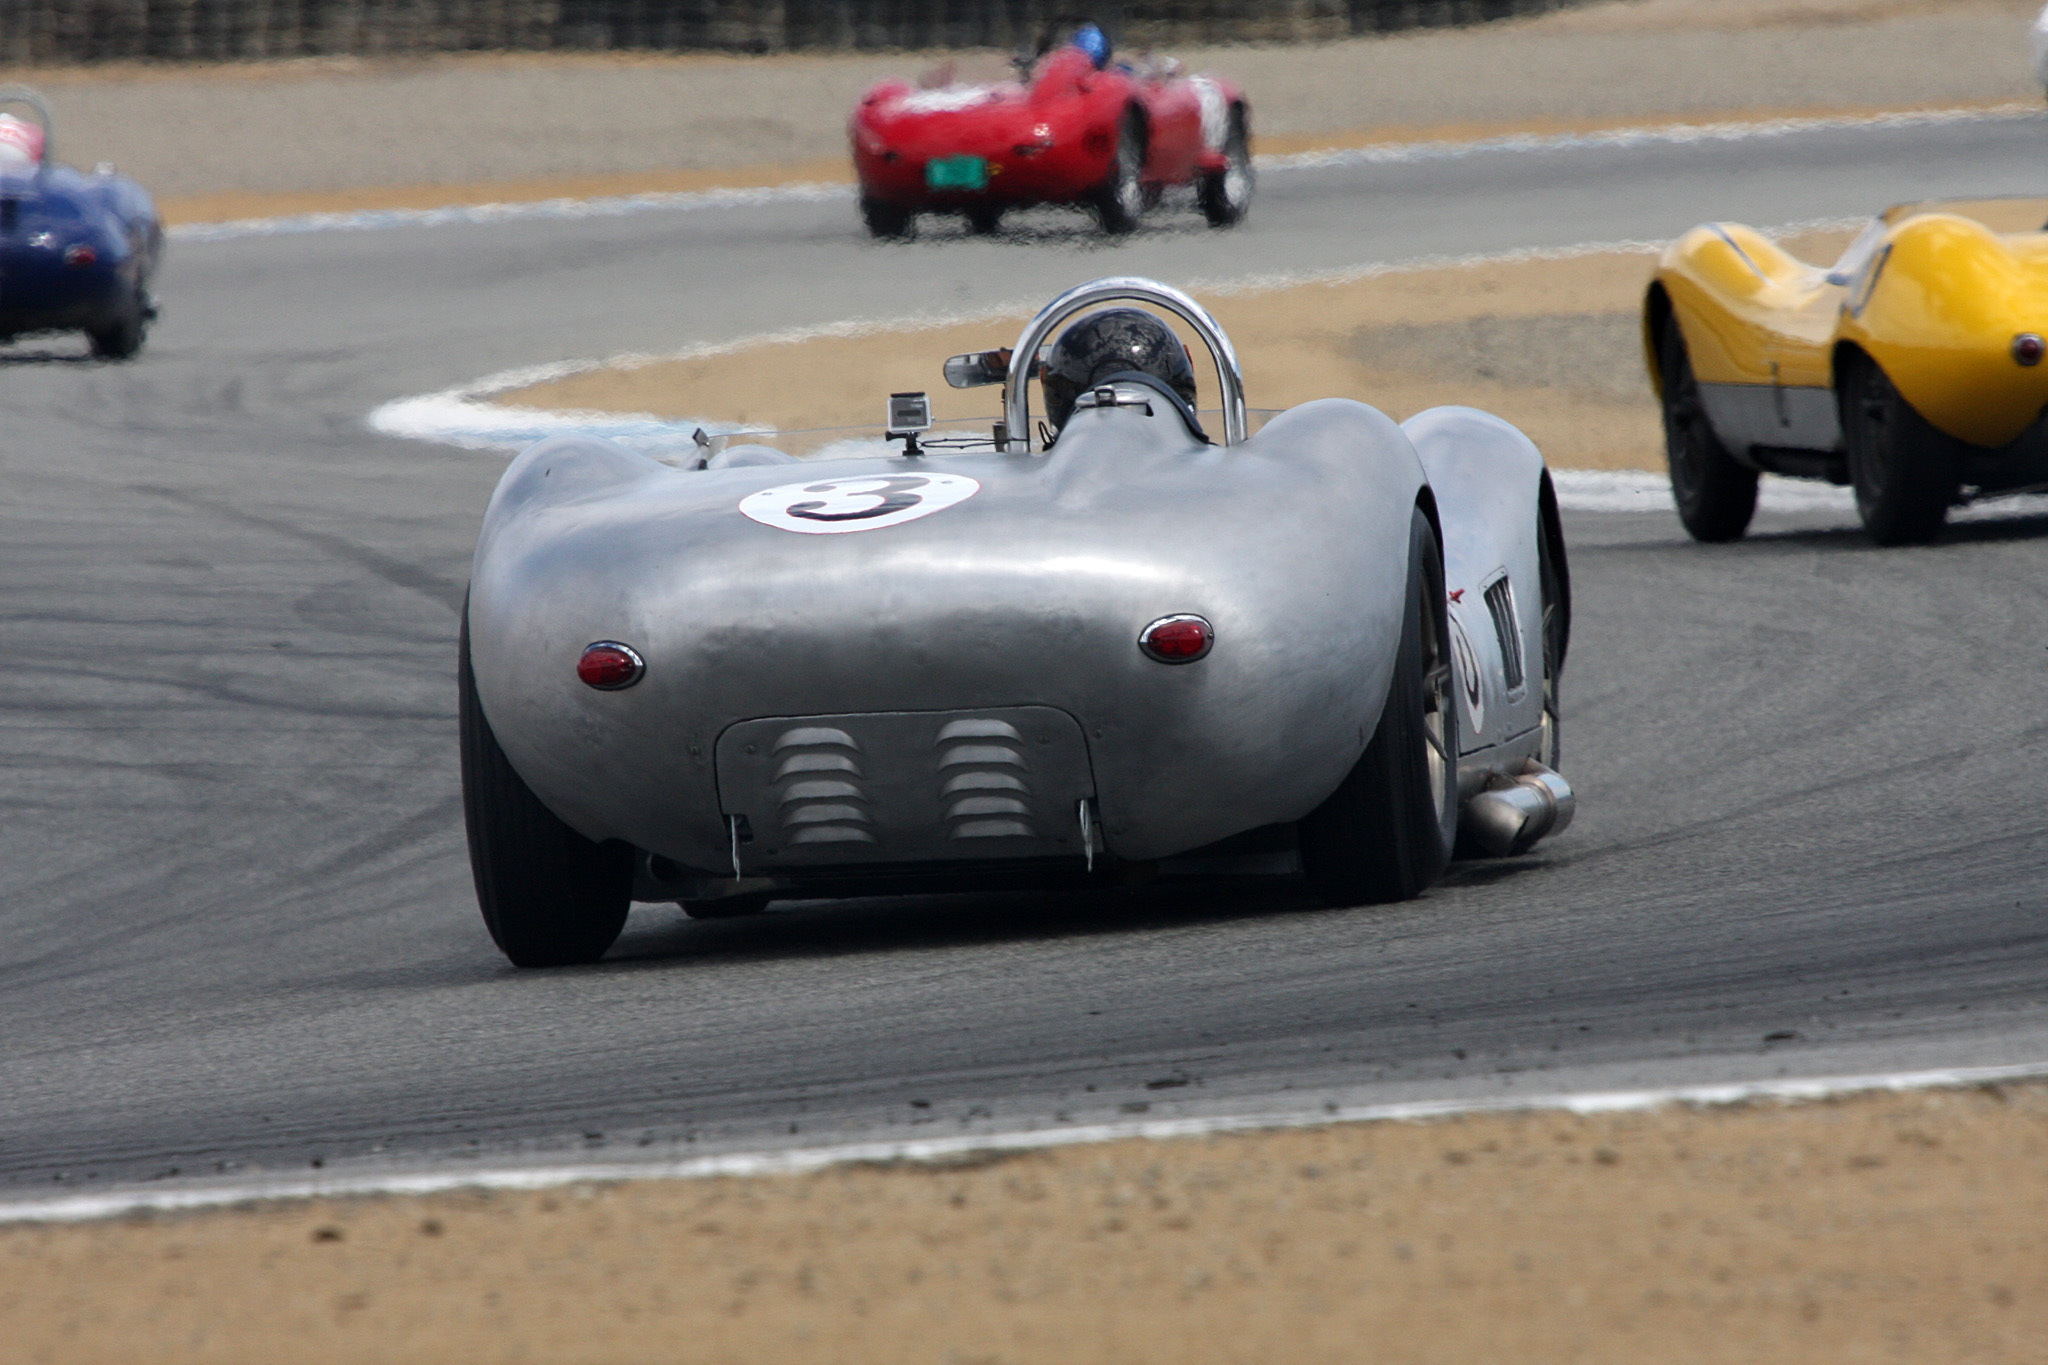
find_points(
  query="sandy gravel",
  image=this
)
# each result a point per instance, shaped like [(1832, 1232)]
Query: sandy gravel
[(1886, 1228), (334, 125)]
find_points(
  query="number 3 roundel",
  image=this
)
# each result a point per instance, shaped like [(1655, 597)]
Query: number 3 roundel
[(832, 506)]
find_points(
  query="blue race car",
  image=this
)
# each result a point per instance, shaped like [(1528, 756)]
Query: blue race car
[(77, 249)]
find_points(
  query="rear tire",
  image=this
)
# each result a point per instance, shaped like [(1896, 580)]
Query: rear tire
[(1121, 198), (886, 221), (1386, 833), (1715, 494), (122, 335), (1904, 470), (549, 896), (1226, 195)]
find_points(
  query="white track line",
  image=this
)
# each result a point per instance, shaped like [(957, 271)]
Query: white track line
[(460, 416), (1406, 153), (1639, 490), (458, 215), (939, 1151), (1666, 135)]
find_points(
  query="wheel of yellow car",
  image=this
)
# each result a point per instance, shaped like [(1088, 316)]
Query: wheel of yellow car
[(1904, 470), (1715, 494)]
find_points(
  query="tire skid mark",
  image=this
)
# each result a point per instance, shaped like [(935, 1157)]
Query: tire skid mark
[(396, 572)]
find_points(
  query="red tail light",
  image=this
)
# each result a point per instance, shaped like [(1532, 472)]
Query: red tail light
[(80, 256), (2028, 348), (1177, 639), (609, 666)]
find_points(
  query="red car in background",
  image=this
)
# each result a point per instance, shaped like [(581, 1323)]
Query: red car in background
[(1110, 139)]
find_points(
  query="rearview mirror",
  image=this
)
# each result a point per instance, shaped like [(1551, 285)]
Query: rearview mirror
[(979, 368)]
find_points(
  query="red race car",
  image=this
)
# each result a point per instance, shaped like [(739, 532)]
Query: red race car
[(1076, 129)]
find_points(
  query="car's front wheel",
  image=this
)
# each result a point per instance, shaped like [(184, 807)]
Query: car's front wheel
[(1227, 194), (1715, 493), (1121, 197), (1386, 833), (886, 221), (1905, 471), (549, 896)]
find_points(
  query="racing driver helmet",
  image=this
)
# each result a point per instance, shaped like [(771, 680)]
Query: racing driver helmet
[(21, 143), (1109, 343), (1090, 38)]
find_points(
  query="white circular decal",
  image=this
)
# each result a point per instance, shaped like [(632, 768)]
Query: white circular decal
[(869, 503), (1468, 676)]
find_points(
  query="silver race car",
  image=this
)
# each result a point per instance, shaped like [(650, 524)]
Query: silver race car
[(1121, 648)]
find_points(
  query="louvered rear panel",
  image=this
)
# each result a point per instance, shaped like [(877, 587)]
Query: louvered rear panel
[(1500, 601), (905, 787)]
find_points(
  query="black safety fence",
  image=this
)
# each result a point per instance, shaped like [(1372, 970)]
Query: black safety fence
[(43, 32)]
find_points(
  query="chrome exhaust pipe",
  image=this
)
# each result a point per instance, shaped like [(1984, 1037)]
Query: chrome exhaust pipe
[(1514, 812)]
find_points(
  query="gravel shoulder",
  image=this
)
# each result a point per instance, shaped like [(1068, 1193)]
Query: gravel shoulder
[(320, 126), (1908, 1228)]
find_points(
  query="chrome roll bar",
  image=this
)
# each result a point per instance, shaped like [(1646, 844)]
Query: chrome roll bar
[(1128, 288)]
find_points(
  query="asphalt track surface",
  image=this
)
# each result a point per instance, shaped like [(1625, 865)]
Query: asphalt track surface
[(239, 930)]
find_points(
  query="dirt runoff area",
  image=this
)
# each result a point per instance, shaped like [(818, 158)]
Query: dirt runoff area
[(300, 136), (1889, 1227), (1553, 345)]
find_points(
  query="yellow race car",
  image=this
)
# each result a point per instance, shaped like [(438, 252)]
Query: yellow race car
[(1910, 369)]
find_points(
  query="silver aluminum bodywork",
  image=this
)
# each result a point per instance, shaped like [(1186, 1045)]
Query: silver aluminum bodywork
[(966, 684), (1487, 479)]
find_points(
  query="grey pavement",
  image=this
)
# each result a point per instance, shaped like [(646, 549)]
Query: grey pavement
[(236, 929)]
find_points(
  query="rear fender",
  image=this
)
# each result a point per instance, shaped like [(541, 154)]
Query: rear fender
[(1489, 481), (560, 468), (1939, 312), (548, 474), (1726, 285)]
